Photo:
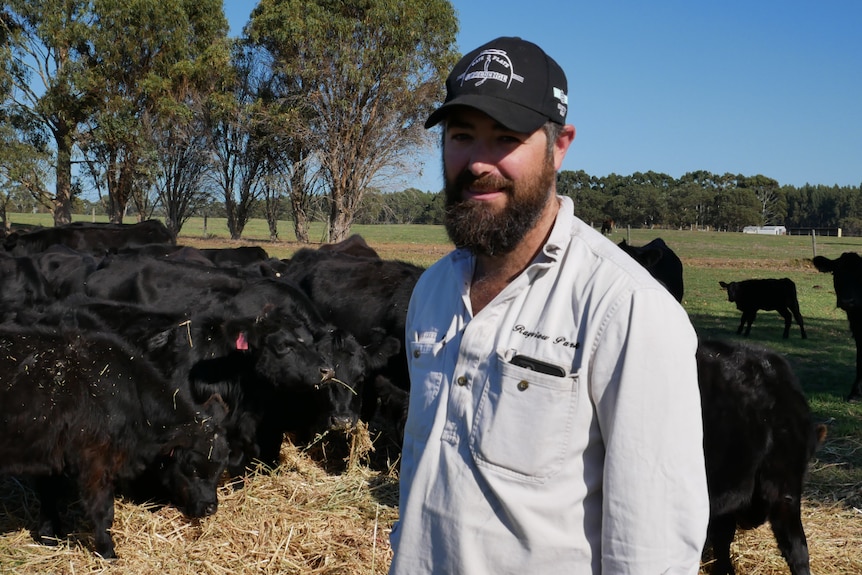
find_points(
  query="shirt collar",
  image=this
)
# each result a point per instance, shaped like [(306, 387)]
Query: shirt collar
[(560, 233)]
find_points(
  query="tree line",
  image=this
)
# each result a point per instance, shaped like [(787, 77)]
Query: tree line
[(697, 200), (152, 108), (690, 202)]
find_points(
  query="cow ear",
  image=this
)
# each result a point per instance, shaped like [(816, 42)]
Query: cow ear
[(722, 284), (215, 409), (381, 348), (823, 264)]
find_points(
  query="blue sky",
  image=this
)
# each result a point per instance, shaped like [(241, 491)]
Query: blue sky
[(770, 87)]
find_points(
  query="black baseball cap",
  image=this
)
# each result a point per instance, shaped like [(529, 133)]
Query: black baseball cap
[(511, 80)]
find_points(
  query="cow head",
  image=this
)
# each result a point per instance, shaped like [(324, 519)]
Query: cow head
[(846, 273), (284, 350), (340, 396), (731, 289), (194, 460), (646, 256)]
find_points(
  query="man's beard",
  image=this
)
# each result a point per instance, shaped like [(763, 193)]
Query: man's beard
[(475, 226)]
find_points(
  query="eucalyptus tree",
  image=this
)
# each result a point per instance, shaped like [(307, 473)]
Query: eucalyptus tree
[(364, 76), (734, 208), (238, 130), (590, 202), (155, 61), (688, 205), (773, 204), (50, 50), (24, 170)]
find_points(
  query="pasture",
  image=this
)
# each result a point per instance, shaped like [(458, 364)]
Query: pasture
[(328, 508)]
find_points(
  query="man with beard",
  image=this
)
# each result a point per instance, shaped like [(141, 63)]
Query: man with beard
[(554, 422)]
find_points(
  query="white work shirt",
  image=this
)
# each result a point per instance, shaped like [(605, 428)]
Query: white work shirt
[(597, 469)]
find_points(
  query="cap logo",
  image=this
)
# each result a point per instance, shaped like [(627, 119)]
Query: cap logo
[(563, 100), (495, 65)]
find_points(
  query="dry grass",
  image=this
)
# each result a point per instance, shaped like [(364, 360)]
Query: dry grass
[(299, 519), (304, 518)]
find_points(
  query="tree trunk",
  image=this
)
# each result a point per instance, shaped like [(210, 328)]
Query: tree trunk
[(63, 195), (230, 207), (300, 220), (340, 218), (271, 204)]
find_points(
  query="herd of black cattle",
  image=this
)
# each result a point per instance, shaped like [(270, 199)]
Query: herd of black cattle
[(130, 363)]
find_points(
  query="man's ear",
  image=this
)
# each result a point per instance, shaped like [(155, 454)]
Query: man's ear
[(561, 146)]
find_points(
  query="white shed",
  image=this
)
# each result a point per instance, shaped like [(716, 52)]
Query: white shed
[(765, 230)]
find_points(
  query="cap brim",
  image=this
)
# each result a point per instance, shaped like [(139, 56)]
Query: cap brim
[(513, 116)]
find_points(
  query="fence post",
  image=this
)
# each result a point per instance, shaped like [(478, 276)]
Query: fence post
[(813, 244)]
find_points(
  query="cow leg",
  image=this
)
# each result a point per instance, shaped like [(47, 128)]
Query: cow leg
[(797, 315), (720, 533), (785, 519), (48, 490), (856, 389), (785, 313), (97, 497), (747, 320)]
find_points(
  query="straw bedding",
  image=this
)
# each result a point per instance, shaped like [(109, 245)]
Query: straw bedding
[(328, 509)]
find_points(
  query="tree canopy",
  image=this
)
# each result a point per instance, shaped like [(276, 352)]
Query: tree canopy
[(364, 76)]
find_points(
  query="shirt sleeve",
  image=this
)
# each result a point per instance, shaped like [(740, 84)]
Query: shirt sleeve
[(644, 384)]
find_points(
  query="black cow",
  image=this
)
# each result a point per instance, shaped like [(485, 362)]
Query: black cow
[(170, 285), (393, 402), (93, 238), (355, 245), (64, 270), (21, 285), (86, 407), (765, 294), (758, 439), (607, 226), (661, 262), (846, 273), (362, 295), (276, 370), (240, 257)]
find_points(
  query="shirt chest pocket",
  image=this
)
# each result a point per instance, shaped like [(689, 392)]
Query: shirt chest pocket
[(523, 423)]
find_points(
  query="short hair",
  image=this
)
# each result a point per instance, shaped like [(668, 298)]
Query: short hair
[(552, 132)]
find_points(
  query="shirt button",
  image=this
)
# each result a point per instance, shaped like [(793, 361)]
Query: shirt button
[(523, 384), (462, 380), (416, 353)]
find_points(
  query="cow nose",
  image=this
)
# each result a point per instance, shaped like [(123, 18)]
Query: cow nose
[(340, 423), (326, 373), (211, 509)]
